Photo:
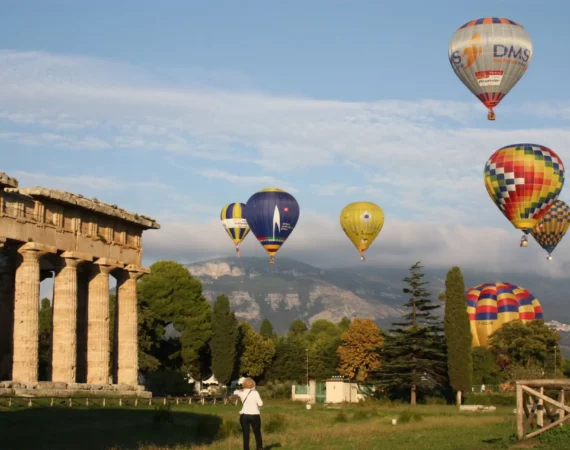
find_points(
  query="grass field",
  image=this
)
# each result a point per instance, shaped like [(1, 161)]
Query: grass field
[(287, 425)]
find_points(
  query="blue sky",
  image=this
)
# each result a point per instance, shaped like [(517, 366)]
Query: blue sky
[(175, 110)]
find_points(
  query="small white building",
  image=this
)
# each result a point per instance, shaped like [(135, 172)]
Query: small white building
[(341, 390)]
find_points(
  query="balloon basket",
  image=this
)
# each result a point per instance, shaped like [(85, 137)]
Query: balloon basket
[(237, 252), (491, 115), (549, 258), (362, 258), (272, 260)]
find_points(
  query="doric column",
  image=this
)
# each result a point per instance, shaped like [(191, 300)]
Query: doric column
[(64, 337), (6, 309), (98, 321), (127, 325), (26, 309)]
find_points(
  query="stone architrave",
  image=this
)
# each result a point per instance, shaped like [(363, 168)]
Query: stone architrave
[(64, 337), (98, 338), (26, 312), (127, 324), (6, 309)]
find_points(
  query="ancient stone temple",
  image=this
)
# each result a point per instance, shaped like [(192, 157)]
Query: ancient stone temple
[(79, 242)]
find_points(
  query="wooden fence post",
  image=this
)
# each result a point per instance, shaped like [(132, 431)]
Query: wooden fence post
[(520, 412)]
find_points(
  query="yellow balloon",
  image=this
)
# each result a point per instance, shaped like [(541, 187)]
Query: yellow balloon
[(362, 221)]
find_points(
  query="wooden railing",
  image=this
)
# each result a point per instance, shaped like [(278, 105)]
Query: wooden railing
[(533, 405), (22, 402)]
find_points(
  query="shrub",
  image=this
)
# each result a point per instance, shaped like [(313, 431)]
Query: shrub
[(275, 423), (360, 415), (341, 416), (435, 400), (557, 437), (407, 416), (229, 428)]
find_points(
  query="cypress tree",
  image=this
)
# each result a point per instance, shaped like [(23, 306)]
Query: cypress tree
[(266, 329), (224, 340), (457, 333), (413, 357)]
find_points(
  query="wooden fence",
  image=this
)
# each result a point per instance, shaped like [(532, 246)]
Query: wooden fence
[(22, 402), (533, 405)]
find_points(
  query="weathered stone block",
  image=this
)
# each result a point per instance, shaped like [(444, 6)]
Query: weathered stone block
[(59, 385), (96, 387), (124, 387), (45, 385)]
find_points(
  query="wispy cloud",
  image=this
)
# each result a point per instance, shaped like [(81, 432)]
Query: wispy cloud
[(421, 160), (28, 179), (262, 180)]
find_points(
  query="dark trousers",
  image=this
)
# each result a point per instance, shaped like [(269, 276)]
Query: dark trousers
[(254, 420)]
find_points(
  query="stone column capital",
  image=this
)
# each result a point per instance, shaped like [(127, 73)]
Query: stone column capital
[(106, 265), (135, 272), (73, 259), (34, 250)]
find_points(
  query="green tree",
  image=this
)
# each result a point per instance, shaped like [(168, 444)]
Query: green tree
[(323, 342), (289, 363), (170, 295), (566, 367), (457, 333), (297, 328), (344, 324), (266, 329), (414, 353), (530, 346), (45, 333), (224, 340), (255, 352), (485, 367)]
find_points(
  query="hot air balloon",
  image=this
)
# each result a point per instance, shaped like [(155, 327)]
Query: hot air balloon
[(524, 181), (234, 223), (490, 56), (550, 230), (362, 221), (491, 305), (272, 215)]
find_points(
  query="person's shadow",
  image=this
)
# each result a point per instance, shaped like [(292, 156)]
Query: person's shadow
[(269, 447)]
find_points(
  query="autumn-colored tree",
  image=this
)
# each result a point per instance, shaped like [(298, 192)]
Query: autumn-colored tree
[(255, 352), (360, 350)]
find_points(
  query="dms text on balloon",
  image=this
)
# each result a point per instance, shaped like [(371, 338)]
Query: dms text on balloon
[(501, 53)]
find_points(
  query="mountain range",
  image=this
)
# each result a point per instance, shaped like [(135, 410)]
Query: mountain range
[(290, 289)]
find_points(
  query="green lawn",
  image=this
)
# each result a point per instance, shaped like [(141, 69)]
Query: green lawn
[(354, 427)]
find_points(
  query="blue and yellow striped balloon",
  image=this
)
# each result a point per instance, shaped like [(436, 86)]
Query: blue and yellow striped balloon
[(550, 230), (235, 223)]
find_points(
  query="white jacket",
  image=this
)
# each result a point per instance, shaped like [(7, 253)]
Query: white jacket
[(252, 402)]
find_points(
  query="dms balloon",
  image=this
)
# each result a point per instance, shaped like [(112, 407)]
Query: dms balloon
[(272, 215), (491, 305), (490, 56), (550, 230), (362, 221), (235, 223), (524, 181)]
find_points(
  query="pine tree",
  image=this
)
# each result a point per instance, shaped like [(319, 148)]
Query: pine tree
[(457, 333), (224, 340), (414, 353), (266, 329)]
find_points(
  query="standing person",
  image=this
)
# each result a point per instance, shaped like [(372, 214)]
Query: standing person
[(249, 414)]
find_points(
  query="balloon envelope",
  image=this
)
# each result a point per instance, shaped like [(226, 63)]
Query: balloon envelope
[(272, 215), (362, 221), (489, 56), (524, 181), (491, 305), (232, 217), (550, 230)]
